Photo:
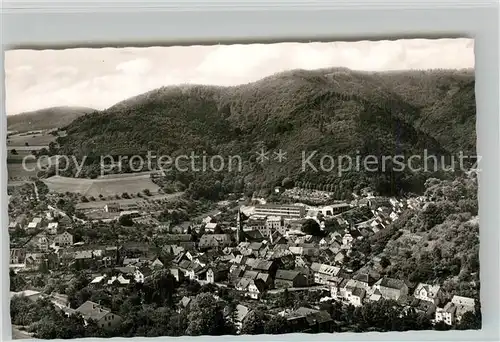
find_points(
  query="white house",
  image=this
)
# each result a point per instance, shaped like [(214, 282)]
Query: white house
[(157, 263), (98, 280), (207, 220), (393, 216), (446, 314), (429, 293), (463, 304), (118, 280), (32, 225), (355, 295), (255, 289), (42, 242), (64, 239), (52, 228), (210, 227), (324, 274)]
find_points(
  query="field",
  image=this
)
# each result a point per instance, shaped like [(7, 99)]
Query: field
[(16, 171), (38, 139), (94, 210), (141, 202), (107, 187)]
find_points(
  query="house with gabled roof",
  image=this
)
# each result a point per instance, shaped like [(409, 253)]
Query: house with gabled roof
[(210, 227), (324, 274), (256, 288), (239, 259), (240, 312), (308, 320), (242, 284), (447, 314), (391, 288), (17, 256), (268, 266), (362, 280), (429, 293), (355, 295), (99, 280), (463, 305), (120, 280), (177, 273), (104, 318), (157, 263), (286, 279), (216, 273), (191, 269)]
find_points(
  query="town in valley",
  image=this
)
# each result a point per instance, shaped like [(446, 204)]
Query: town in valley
[(258, 224)]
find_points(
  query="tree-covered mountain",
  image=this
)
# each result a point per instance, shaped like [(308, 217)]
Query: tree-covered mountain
[(332, 111), (48, 118)]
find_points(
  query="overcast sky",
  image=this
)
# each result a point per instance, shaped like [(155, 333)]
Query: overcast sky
[(99, 78)]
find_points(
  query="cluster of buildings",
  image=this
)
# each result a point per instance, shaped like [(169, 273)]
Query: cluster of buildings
[(44, 234), (267, 253)]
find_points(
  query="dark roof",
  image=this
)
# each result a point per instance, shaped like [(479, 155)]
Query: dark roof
[(189, 265), (91, 310), (363, 277), (358, 291), (319, 317), (392, 283), (219, 267), (250, 274), (255, 245), (263, 276), (126, 270), (355, 233), (263, 265), (179, 257), (188, 245), (254, 235), (259, 283), (312, 316), (178, 237), (286, 275), (146, 271), (243, 282)]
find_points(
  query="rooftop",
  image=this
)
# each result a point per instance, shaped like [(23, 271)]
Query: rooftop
[(286, 275)]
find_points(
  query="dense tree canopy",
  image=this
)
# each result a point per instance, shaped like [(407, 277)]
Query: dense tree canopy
[(333, 111)]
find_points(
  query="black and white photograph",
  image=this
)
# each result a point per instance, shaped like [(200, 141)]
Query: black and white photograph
[(243, 189)]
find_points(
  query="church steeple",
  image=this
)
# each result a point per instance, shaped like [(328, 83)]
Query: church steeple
[(240, 236), (238, 226)]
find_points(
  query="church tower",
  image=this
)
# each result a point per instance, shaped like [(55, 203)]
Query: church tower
[(239, 227)]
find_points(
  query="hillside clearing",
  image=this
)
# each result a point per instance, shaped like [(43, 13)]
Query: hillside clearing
[(106, 187)]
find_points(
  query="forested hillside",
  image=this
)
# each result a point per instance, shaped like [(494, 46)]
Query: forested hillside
[(438, 243), (333, 111)]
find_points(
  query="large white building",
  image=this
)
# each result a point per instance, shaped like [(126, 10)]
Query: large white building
[(285, 211)]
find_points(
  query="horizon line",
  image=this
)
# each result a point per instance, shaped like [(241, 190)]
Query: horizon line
[(469, 69)]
